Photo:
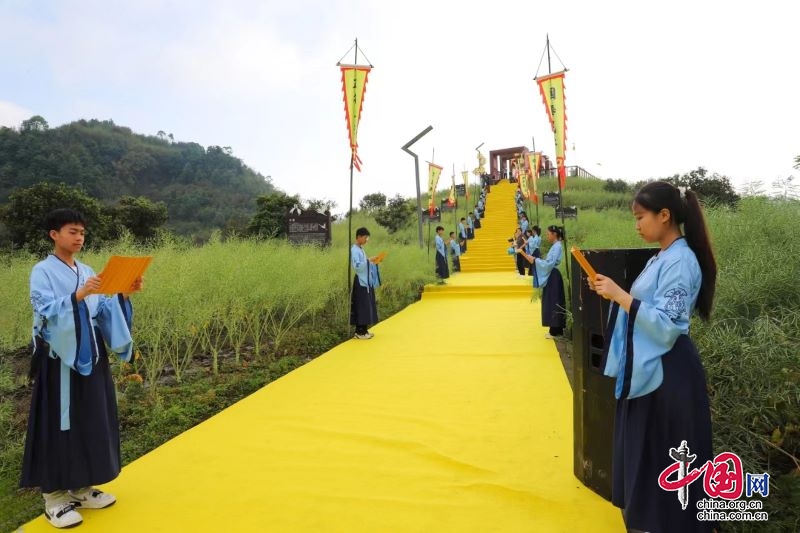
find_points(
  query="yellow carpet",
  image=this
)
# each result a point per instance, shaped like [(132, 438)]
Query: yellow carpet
[(456, 417), (487, 252)]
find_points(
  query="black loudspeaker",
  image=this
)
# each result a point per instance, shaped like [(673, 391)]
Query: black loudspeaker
[(593, 393)]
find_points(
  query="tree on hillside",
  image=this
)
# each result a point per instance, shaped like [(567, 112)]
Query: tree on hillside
[(270, 220), (26, 209), (753, 188), (372, 202), (396, 215), (140, 216), (616, 186), (202, 188), (35, 123), (320, 206), (713, 189), (785, 189), (797, 162)]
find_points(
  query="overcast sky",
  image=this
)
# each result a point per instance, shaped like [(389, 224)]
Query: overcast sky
[(653, 88)]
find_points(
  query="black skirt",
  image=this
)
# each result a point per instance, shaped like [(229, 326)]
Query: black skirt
[(441, 266), (363, 308), (553, 305), (88, 453), (644, 431)]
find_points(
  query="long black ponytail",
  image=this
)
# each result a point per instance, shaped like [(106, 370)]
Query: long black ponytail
[(685, 209)]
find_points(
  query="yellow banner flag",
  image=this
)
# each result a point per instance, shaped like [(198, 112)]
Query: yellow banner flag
[(522, 175), (534, 160), (354, 84), (552, 89), (433, 179), (465, 175), (451, 200)]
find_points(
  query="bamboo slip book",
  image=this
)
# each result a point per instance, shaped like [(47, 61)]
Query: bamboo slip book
[(121, 272)]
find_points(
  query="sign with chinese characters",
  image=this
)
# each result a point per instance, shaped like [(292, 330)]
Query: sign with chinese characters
[(567, 212), (308, 227), (551, 199)]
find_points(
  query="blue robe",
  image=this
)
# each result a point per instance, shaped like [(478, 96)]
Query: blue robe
[(73, 431), (363, 306), (442, 271), (661, 392), (549, 278)]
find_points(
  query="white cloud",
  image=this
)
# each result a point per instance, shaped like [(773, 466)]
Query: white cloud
[(12, 115)]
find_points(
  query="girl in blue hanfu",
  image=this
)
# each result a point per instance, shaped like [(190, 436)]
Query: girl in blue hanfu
[(73, 432), (660, 381), (548, 277)]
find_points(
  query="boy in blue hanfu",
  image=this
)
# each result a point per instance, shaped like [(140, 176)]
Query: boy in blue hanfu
[(73, 431), (363, 306), (462, 234), (455, 251), (442, 272), (662, 399)]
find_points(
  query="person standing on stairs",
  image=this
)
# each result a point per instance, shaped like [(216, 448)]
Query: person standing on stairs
[(519, 242), (462, 235), (533, 248), (455, 251), (547, 274), (442, 271)]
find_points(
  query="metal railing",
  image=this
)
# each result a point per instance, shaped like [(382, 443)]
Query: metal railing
[(572, 171)]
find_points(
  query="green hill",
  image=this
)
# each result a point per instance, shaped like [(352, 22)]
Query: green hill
[(203, 188)]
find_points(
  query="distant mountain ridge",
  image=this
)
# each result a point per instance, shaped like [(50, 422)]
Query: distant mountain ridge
[(203, 188)]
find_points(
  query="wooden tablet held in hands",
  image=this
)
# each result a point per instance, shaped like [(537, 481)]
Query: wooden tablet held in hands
[(585, 265), (120, 272)]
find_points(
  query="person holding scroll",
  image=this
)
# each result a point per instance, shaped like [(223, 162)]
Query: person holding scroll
[(661, 392), (72, 441), (363, 306), (549, 278)]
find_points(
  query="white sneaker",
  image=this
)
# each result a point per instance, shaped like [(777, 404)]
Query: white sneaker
[(91, 498), (554, 337), (63, 515), (365, 336)]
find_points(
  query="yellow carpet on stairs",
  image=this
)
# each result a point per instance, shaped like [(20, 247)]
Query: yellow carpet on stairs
[(487, 251), (456, 417)]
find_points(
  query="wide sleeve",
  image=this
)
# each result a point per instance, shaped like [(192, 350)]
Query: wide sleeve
[(359, 260), (666, 317), (63, 322), (546, 265), (115, 317), (374, 275)]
